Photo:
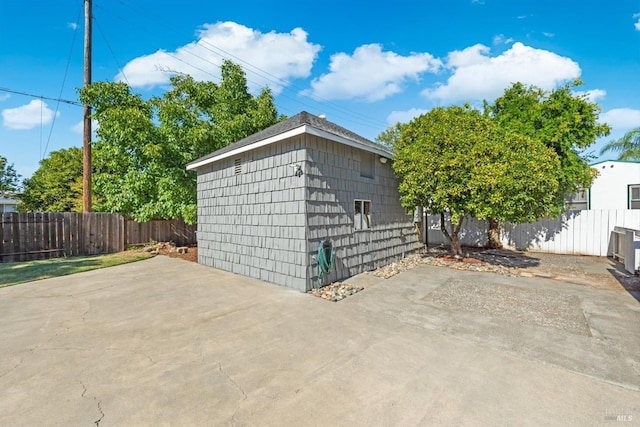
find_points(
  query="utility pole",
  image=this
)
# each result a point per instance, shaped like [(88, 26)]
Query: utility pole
[(86, 151)]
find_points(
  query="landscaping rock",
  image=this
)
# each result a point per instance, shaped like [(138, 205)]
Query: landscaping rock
[(336, 291), (440, 258)]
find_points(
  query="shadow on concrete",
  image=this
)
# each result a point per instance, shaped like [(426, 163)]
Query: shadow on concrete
[(502, 257), (505, 258), (630, 282)]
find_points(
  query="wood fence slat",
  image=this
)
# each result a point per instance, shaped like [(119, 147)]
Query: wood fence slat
[(122, 231), (59, 235), (40, 235), (66, 230)]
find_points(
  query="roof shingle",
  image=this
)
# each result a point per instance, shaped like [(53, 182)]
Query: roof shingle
[(300, 119)]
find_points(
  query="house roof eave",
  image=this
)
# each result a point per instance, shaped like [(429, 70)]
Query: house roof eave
[(305, 128)]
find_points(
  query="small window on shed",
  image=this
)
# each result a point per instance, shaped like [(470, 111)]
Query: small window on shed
[(362, 217), (367, 164), (634, 196), (237, 166)]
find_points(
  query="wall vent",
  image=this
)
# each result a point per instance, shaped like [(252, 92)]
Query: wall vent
[(237, 166)]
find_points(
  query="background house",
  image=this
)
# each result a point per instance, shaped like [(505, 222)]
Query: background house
[(617, 186), (8, 202), (266, 203)]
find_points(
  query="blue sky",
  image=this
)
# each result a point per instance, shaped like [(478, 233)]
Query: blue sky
[(365, 65)]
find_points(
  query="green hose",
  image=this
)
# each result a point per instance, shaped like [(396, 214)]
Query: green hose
[(324, 265)]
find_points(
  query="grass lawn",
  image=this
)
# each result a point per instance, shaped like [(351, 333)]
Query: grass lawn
[(19, 272)]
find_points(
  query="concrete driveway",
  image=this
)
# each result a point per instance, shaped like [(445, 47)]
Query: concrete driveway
[(167, 342)]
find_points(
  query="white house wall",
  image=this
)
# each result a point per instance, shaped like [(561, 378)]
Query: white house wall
[(610, 188), (333, 181)]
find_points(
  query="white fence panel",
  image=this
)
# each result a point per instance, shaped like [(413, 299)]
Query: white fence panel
[(587, 232)]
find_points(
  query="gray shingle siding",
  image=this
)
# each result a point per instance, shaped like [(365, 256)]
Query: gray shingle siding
[(252, 223), (267, 223), (333, 184)]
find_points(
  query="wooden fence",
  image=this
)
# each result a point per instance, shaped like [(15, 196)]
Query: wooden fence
[(586, 232), (41, 235)]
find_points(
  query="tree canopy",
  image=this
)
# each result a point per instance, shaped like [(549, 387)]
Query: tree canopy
[(564, 121), (143, 146), (628, 146), (9, 178), (57, 184), (457, 163)]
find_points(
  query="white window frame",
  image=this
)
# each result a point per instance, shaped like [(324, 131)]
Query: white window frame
[(632, 200), (362, 219), (583, 198)]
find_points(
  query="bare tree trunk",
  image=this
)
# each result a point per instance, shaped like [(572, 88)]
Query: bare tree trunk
[(493, 234), (454, 240)]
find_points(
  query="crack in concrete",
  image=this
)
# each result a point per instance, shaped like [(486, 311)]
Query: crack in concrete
[(13, 369), (91, 290), (153, 362), (95, 399), (236, 385), (97, 422)]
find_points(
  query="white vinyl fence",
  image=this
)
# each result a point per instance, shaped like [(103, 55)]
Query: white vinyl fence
[(587, 232)]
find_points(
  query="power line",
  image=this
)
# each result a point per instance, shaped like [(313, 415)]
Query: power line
[(17, 92), (111, 50), (64, 79), (285, 84)]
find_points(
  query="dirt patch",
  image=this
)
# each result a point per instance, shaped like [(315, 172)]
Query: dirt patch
[(187, 253)]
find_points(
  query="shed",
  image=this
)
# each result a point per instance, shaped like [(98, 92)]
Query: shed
[(266, 203)]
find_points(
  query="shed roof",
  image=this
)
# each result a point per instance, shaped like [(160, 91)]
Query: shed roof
[(302, 122)]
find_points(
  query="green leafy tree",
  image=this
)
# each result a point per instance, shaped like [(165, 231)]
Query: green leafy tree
[(628, 146), (9, 178), (457, 163), (390, 136), (563, 121), (144, 146), (57, 184)]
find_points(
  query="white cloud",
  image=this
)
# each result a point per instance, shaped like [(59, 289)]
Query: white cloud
[(621, 118), (546, 34), (404, 116), (274, 57), (592, 95), (370, 74), (637, 24), (477, 76), (473, 55), (4, 97), (502, 39), (72, 25), (29, 116)]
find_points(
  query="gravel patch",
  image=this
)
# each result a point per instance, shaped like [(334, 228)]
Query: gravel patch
[(441, 259), (336, 291), (532, 306)]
